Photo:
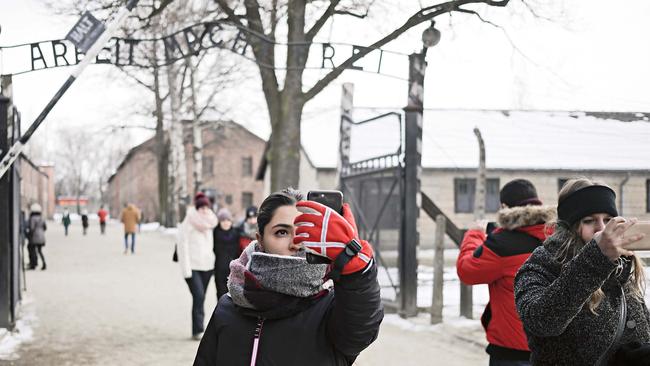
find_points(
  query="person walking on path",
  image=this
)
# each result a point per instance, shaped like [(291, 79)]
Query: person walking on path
[(226, 249), (494, 259), (65, 220), (103, 215), (580, 295), (195, 256), (281, 309), (248, 228), (130, 217), (84, 221), (36, 236)]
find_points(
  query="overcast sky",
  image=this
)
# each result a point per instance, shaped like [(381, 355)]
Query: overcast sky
[(593, 56)]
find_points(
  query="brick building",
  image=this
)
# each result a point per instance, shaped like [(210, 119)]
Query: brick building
[(230, 154), (36, 186)]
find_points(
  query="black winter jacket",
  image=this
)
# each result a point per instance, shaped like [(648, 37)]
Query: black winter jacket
[(331, 330), (552, 301)]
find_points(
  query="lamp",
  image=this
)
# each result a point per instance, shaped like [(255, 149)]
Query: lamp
[(430, 36)]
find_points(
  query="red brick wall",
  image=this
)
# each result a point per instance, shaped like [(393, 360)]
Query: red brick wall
[(226, 143), (136, 181)]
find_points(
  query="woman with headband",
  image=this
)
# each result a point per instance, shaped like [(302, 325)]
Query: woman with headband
[(580, 295)]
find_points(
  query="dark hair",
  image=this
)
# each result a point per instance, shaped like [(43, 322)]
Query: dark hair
[(286, 197)]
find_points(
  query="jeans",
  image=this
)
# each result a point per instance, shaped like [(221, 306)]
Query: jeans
[(198, 284), (126, 242), (498, 362), (102, 227)]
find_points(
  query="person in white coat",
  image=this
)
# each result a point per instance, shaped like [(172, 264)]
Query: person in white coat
[(195, 255)]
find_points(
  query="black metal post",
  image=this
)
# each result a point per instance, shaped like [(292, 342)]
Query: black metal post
[(409, 236), (6, 220)]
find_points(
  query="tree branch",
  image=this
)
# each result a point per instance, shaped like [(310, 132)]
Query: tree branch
[(223, 4), (150, 87), (331, 9), (421, 16)]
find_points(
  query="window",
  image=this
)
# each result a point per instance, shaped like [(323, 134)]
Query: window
[(208, 166), (246, 200), (247, 166), (561, 182), (647, 195), (492, 198), (464, 193), (229, 199), (464, 189)]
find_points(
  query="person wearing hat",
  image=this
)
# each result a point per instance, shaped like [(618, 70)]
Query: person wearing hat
[(248, 228), (226, 249), (494, 258), (195, 257), (36, 236), (580, 295), (282, 309)]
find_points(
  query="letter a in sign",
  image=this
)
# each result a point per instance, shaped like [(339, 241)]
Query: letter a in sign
[(84, 34)]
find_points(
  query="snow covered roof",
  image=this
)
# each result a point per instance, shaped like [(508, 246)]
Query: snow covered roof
[(539, 140)]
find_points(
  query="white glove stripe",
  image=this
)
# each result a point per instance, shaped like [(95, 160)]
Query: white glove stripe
[(302, 235), (304, 223), (325, 245), (364, 257), (367, 268), (326, 220)]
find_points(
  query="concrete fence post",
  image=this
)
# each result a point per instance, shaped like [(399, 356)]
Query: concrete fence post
[(438, 270)]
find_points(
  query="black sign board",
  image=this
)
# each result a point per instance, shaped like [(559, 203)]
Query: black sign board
[(84, 34)]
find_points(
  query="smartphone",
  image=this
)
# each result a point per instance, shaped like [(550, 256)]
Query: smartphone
[(331, 199), (641, 227)]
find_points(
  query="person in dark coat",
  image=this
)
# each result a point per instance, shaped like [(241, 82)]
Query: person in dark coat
[(495, 258), (36, 236), (248, 227), (84, 221), (282, 310), (580, 295), (65, 220), (226, 249)]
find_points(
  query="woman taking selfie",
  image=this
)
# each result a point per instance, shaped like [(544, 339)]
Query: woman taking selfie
[(580, 295), (279, 309)]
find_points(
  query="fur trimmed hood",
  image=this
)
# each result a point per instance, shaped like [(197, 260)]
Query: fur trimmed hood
[(515, 217)]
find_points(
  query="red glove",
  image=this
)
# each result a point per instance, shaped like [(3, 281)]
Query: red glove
[(324, 232)]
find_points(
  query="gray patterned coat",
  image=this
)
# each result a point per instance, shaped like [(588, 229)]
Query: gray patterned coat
[(552, 301)]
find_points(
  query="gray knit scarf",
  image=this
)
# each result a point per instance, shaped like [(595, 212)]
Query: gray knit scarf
[(266, 282)]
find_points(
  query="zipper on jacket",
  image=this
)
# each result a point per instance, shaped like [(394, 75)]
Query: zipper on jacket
[(256, 339)]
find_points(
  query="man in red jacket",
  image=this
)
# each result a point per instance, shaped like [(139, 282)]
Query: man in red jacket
[(494, 259)]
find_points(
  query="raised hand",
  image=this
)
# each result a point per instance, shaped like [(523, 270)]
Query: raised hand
[(326, 233), (611, 239)]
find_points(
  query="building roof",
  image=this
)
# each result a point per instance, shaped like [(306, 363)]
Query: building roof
[(186, 124), (528, 140)]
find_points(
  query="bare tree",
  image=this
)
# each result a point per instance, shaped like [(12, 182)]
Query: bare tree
[(285, 102), (74, 168)]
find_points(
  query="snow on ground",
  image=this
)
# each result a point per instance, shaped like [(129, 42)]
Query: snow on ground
[(23, 332), (451, 290)]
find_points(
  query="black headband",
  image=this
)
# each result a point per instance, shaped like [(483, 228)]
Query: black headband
[(587, 201)]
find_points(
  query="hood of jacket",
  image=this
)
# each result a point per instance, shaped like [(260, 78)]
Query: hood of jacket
[(512, 218)]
